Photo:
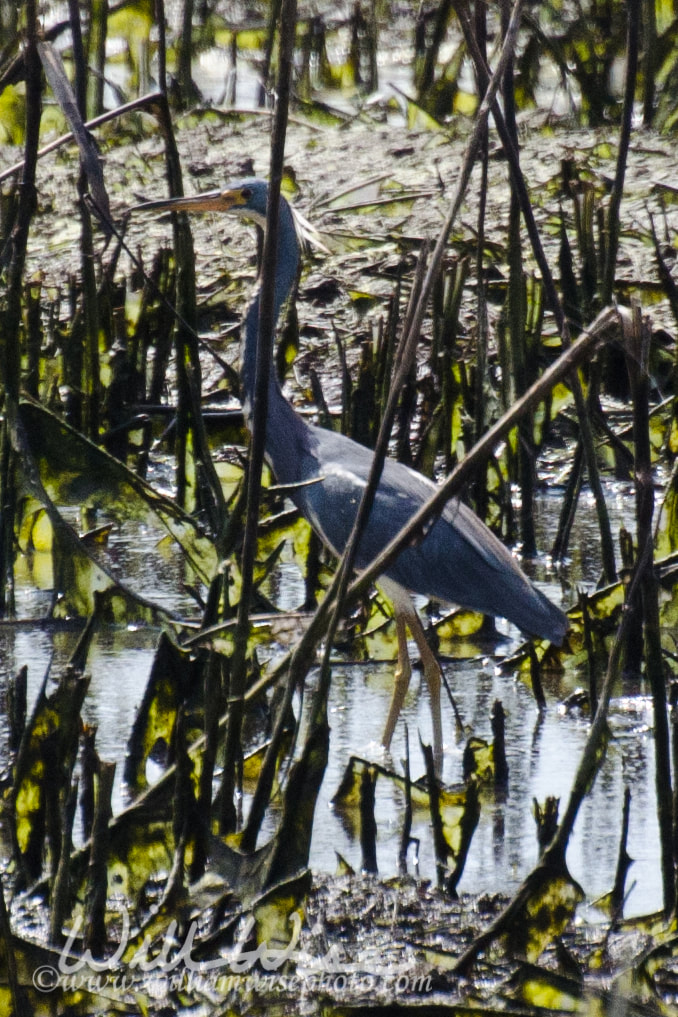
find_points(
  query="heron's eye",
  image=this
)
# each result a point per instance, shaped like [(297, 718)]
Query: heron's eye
[(246, 193)]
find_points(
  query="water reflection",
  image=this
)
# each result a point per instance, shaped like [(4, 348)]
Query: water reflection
[(543, 754)]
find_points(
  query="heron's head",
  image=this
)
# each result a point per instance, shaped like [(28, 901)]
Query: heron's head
[(243, 197)]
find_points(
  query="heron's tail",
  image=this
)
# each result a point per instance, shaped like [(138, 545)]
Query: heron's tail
[(539, 617)]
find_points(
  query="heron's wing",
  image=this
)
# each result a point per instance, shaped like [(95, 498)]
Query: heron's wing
[(458, 561), (342, 467)]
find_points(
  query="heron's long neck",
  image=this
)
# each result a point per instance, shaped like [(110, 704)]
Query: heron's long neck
[(285, 276)]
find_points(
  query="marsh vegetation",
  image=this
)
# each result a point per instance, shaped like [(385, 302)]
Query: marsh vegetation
[(131, 827)]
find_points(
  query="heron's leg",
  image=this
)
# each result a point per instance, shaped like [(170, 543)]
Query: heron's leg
[(433, 676), (402, 679)]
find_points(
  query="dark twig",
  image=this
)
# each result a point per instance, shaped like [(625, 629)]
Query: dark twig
[(624, 860), (97, 875), (368, 826), (440, 845), (535, 677), (498, 720), (569, 504), (469, 822), (61, 888), (407, 815), (632, 38), (638, 367), (17, 703), (546, 818), (74, 110), (590, 656)]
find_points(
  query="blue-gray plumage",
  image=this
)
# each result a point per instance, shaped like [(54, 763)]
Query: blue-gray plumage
[(459, 561)]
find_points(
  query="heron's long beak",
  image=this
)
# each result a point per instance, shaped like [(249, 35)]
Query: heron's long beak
[(210, 201)]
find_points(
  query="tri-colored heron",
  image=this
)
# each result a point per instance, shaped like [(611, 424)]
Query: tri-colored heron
[(460, 561)]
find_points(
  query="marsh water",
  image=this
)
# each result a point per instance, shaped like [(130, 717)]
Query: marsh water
[(543, 749)]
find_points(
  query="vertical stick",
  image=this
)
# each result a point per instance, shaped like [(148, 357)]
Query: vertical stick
[(440, 845), (10, 321), (654, 666), (623, 861), (274, 14), (212, 697), (480, 481), (162, 47), (90, 379), (650, 62), (186, 87), (78, 57), (468, 823), (407, 817), (264, 360), (89, 768), (97, 873), (368, 826), (96, 56), (590, 656), (569, 505), (674, 757), (91, 382), (61, 886), (633, 8), (498, 720), (17, 705)]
